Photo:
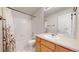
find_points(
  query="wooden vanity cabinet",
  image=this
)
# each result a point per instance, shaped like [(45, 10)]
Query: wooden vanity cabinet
[(48, 44), (62, 49), (43, 45), (38, 44), (45, 49)]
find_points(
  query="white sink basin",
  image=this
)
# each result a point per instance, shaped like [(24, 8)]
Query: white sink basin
[(51, 36)]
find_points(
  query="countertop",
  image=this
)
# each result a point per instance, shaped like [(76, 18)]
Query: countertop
[(61, 40)]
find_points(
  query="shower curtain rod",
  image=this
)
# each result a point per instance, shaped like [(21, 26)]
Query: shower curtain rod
[(20, 11)]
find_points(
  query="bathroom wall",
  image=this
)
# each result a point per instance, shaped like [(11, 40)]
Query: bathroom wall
[(77, 30), (38, 22), (52, 20), (51, 23), (22, 24)]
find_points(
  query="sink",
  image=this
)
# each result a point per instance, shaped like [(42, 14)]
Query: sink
[(52, 36)]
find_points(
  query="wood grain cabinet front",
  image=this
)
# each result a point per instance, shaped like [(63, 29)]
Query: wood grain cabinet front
[(43, 45), (38, 44), (62, 49), (45, 49), (48, 44)]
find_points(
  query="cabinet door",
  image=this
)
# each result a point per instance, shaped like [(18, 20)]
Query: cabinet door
[(48, 44), (45, 49), (62, 49), (0, 11), (38, 40)]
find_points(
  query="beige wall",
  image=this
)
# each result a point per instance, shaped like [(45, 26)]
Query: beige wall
[(77, 30), (38, 22), (22, 24)]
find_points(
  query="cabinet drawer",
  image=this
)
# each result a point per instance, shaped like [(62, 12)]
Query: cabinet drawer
[(48, 44), (62, 49), (45, 49)]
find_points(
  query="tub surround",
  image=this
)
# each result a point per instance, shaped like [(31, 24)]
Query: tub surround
[(61, 40)]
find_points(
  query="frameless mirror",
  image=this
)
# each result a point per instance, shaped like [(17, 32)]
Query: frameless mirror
[(61, 20)]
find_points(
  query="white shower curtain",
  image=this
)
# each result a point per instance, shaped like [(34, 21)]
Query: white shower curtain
[(64, 24), (74, 23), (67, 24)]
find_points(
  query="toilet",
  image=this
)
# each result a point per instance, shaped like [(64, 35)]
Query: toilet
[(31, 42), (31, 45)]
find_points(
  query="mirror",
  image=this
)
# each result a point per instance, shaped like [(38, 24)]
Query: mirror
[(61, 20)]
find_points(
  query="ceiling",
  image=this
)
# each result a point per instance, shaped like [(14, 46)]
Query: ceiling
[(32, 10), (27, 10), (53, 10)]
